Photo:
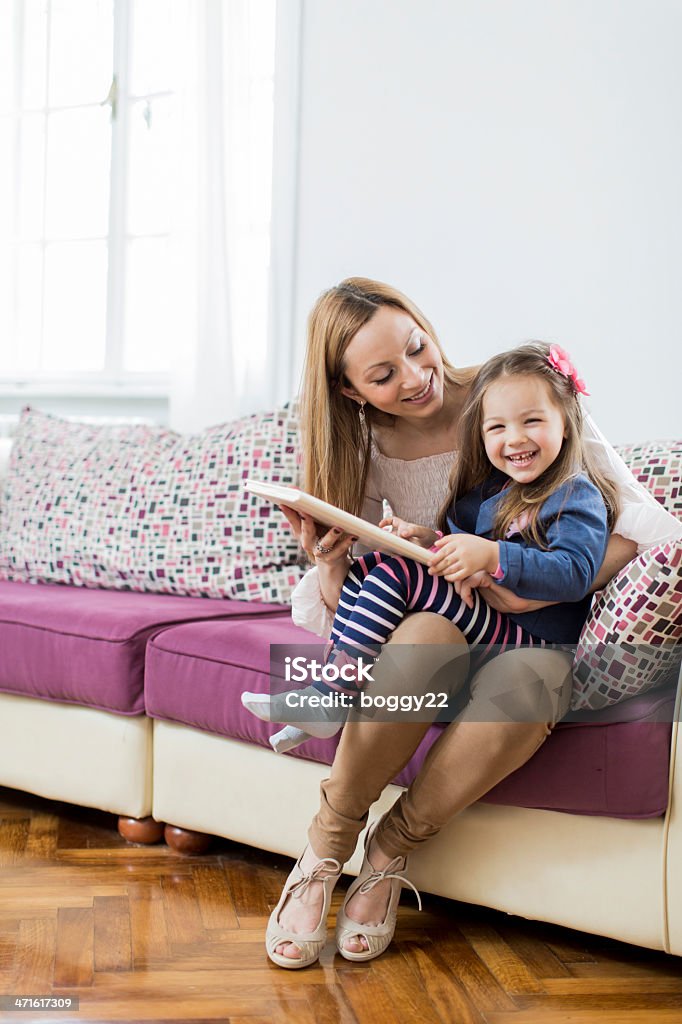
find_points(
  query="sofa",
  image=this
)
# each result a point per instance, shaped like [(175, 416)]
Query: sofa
[(129, 701)]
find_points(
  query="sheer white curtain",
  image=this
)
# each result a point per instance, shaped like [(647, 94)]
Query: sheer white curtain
[(224, 363)]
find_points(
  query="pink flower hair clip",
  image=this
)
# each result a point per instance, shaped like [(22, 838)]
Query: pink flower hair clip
[(560, 361)]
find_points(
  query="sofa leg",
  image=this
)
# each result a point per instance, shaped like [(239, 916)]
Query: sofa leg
[(184, 840), (140, 830)]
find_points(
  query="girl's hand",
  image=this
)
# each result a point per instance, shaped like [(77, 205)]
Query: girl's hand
[(462, 554), (410, 531)]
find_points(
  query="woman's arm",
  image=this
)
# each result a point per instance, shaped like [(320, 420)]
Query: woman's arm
[(332, 564), (642, 519), (308, 609), (618, 553)]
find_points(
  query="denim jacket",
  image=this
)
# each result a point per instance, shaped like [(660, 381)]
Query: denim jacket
[(575, 527)]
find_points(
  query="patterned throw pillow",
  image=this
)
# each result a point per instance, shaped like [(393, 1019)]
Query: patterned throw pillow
[(143, 508), (658, 465), (633, 638)]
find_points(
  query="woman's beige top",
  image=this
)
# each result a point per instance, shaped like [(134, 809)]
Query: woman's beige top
[(415, 490)]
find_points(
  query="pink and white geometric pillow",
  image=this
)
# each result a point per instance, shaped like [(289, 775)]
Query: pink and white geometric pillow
[(633, 638), (658, 466), (143, 508)]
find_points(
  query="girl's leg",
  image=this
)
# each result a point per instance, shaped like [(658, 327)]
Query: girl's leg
[(352, 587), (369, 613), (373, 602), (367, 618), (379, 593), (322, 722)]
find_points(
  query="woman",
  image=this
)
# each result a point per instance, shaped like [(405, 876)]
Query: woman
[(376, 382)]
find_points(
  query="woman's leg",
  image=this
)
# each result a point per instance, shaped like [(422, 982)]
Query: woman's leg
[(370, 754), (516, 698), (498, 731)]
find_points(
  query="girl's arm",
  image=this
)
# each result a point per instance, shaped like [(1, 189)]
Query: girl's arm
[(574, 520), (618, 553), (576, 534)]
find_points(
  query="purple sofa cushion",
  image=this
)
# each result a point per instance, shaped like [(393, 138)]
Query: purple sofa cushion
[(196, 674), (612, 762), (83, 646)]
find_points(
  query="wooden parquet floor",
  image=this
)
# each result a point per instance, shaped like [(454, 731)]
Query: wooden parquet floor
[(145, 934)]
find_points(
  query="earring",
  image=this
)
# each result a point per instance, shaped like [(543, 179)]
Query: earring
[(361, 415)]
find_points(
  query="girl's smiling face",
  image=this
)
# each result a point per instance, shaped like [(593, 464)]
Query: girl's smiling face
[(395, 366), (523, 430)]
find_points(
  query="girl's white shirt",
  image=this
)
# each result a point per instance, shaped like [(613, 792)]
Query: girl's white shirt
[(416, 488)]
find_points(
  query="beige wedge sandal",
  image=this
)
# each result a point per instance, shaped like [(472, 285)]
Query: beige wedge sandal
[(327, 871), (378, 936)]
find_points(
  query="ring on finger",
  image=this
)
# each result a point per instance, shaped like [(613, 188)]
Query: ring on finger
[(320, 549)]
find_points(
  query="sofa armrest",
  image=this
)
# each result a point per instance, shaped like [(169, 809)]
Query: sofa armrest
[(672, 850)]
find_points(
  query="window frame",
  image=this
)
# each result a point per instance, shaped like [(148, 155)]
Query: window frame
[(113, 381)]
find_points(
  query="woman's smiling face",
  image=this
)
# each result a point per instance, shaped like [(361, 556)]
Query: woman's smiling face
[(395, 366)]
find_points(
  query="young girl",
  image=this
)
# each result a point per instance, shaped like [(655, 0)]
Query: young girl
[(525, 507)]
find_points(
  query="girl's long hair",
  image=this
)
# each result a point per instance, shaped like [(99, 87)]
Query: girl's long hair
[(473, 467), (336, 448)]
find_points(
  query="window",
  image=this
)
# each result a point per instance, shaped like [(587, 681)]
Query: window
[(90, 189)]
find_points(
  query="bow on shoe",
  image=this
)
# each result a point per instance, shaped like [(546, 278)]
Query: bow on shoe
[(379, 876), (316, 875)]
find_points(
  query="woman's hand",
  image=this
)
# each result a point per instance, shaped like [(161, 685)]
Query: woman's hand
[(421, 535), (499, 598), (476, 581), (329, 551), (504, 600)]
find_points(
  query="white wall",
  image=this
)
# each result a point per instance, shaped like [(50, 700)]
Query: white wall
[(514, 166)]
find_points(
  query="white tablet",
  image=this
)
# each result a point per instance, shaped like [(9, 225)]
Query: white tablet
[(370, 535)]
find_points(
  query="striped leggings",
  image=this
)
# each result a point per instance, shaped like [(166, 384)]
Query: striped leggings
[(378, 592)]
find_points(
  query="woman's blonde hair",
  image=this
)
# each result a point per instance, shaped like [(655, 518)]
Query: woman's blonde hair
[(472, 466), (336, 448)]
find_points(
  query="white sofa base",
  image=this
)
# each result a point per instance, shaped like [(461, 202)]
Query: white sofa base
[(77, 754), (601, 875), (606, 876)]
